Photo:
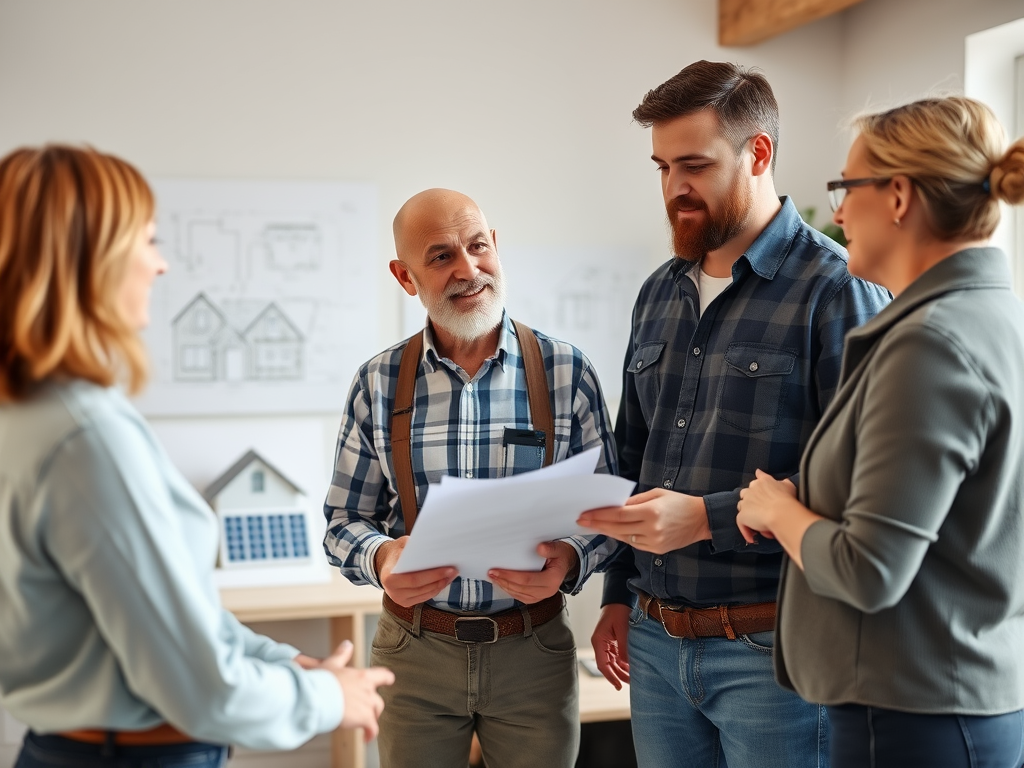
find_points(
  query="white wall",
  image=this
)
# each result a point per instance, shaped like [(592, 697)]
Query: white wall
[(525, 105), (895, 51)]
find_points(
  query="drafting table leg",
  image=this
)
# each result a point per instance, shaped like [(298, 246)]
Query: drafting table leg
[(347, 748)]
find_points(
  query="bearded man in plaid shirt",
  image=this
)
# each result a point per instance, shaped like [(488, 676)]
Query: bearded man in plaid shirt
[(734, 353)]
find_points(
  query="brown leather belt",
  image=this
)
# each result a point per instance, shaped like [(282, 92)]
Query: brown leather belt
[(478, 629), (161, 735), (720, 621)]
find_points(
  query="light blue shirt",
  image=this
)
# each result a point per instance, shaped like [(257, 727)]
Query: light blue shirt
[(109, 617)]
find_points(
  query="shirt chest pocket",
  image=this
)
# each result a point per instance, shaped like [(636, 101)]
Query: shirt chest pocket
[(644, 369), (524, 450), (754, 386)]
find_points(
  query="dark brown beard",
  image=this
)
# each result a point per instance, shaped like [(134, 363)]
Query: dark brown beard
[(692, 241)]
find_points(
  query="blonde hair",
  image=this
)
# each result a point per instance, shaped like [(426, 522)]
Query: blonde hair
[(952, 149), (70, 219)]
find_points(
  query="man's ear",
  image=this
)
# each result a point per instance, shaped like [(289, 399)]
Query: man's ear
[(401, 273), (764, 150), (494, 238)]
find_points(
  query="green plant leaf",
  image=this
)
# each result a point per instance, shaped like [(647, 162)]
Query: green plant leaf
[(835, 232)]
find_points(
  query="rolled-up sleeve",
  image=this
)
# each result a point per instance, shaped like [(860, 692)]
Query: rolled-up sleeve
[(357, 505)]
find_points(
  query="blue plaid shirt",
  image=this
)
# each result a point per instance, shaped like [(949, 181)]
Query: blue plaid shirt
[(458, 429), (708, 399)]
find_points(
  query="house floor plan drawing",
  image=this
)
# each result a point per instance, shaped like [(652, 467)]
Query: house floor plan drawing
[(263, 308)]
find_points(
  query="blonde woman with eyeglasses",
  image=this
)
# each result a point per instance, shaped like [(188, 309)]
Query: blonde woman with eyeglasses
[(901, 605), (114, 648)]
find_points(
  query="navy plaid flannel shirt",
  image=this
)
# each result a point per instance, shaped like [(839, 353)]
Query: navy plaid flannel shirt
[(458, 428), (707, 400)]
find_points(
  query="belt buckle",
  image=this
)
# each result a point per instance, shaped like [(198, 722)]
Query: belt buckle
[(476, 629), (688, 634)]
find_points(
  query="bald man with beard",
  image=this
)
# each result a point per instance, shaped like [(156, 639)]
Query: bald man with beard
[(465, 397)]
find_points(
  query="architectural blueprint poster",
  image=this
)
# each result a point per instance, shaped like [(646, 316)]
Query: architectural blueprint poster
[(269, 302), (582, 295)]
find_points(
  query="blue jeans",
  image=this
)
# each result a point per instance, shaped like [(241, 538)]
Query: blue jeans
[(714, 702), (885, 738), (57, 752)]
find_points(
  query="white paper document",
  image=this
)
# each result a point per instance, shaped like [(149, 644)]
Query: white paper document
[(476, 525)]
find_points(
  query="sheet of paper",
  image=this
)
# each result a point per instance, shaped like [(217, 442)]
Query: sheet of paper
[(581, 464), (476, 525)]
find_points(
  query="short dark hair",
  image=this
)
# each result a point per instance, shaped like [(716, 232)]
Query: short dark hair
[(741, 98)]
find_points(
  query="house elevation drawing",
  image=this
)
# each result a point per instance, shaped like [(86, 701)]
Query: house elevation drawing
[(263, 307), (208, 347)]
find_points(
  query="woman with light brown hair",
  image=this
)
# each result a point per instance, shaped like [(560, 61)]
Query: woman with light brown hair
[(901, 605), (114, 648)]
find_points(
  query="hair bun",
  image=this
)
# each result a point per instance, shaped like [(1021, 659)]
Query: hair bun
[(1007, 178)]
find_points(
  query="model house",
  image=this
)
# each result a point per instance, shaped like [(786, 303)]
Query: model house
[(261, 513)]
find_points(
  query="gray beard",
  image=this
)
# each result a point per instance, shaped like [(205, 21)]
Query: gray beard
[(467, 326)]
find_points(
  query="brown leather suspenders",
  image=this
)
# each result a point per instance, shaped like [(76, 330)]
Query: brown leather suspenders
[(401, 429), (537, 393)]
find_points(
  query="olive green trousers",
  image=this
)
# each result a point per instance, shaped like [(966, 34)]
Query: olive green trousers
[(519, 694)]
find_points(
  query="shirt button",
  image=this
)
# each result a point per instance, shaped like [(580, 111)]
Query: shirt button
[(667, 483), (658, 562), (469, 474), (469, 387), (696, 351), (752, 367), (638, 364), (681, 423)]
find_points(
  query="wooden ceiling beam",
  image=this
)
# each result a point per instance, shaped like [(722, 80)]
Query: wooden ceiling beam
[(748, 22)]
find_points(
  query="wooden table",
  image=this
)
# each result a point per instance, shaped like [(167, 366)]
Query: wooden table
[(599, 701), (346, 607)]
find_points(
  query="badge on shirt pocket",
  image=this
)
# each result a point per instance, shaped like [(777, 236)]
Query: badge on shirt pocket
[(524, 450)]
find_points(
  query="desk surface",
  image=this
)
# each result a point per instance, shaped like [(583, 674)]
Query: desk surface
[(599, 700), (337, 597)]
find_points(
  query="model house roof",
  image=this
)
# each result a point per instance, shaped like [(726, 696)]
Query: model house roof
[(236, 469)]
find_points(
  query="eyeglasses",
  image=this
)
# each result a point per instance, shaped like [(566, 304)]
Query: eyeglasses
[(837, 189)]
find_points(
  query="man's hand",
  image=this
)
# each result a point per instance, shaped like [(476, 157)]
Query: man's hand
[(533, 586), (611, 644), (657, 521), (408, 589), (363, 704)]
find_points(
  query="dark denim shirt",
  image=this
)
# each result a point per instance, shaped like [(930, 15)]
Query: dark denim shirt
[(707, 400)]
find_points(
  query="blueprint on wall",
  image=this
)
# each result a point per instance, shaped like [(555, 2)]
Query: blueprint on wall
[(269, 302)]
